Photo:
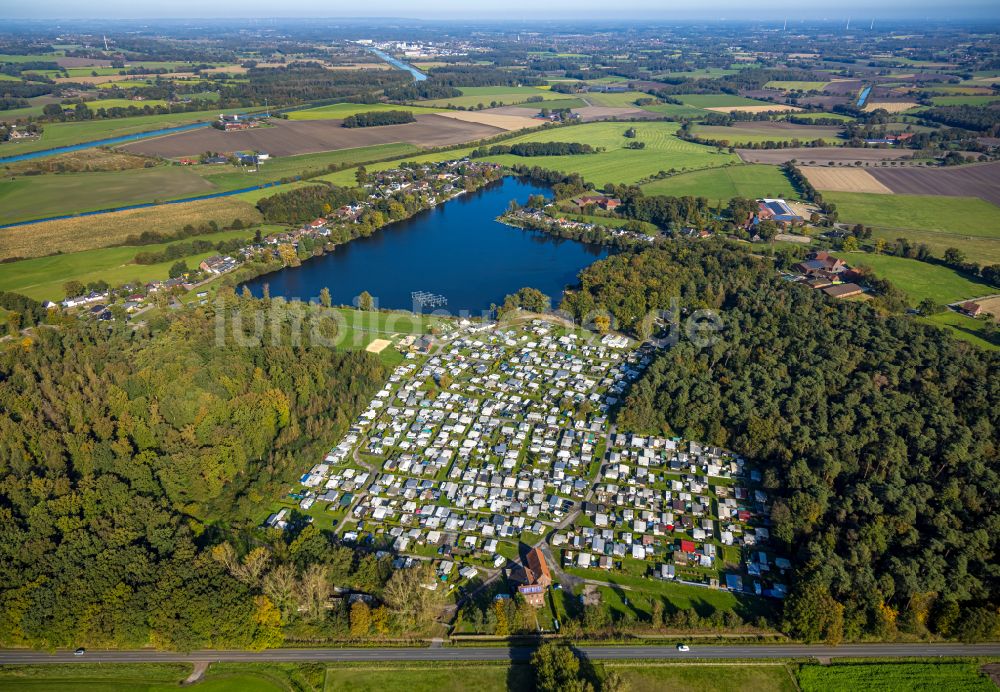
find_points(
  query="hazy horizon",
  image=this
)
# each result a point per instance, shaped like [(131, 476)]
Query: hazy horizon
[(522, 10)]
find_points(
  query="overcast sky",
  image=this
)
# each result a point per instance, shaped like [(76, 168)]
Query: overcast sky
[(620, 11)]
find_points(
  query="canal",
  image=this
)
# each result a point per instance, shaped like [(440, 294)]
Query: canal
[(456, 250)]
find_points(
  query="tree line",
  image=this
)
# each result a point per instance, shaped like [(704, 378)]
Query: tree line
[(534, 149), (376, 118)]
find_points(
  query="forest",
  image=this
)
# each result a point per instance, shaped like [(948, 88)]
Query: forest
[(376, 118), (304, 203), (135, 466), (534, 149), (877, 436)]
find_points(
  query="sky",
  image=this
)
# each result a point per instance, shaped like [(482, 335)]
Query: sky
[(620, 11)]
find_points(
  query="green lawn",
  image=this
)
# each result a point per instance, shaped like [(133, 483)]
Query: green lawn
[(64, 134), (342, 110), (619, 165), (748, 677), (818, 116), (751, 181), (42, 278), (920, 280), (967, 223), (898, 677), (148, 677)]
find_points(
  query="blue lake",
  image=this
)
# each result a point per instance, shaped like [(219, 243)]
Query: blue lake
[(457, 250)]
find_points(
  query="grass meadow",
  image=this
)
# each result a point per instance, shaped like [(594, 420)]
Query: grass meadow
[(920, 280), (336, 111), (743, 134), (753, 180), (617, 164), (967, 223), (720, 100), (746, 677), (898, 677), (42, 278), (508, 96)]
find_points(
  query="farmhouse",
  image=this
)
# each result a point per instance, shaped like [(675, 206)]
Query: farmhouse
[(534, 578), (821, 264), (605, 203), (843, 290), (971, 308), (777, 210)]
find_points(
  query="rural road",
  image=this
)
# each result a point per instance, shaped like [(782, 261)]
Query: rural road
[(375, 655)]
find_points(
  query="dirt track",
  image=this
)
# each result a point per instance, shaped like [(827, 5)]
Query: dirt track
[(981, 181), (290, 137)]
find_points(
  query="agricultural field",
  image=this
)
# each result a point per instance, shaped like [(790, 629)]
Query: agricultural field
[(820, 116), (823, 155), (489, 677), (849, 677), (89, 232), (473, 96), (982, 181), (663, 151), (749, 181), (965, 100), (966, 223), (492, 118), (754, 677), (743, 134), (675, 110), (920, 280), (844, 180), (337, 111), (65, 134), (796, 85), (42, 278), (123, 103), (293, 137), (624, 99), (890, 106), (33, 197), (553, 104), (710, 101)]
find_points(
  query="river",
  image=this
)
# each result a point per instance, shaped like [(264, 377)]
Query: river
[(418, 76), (457, 250)]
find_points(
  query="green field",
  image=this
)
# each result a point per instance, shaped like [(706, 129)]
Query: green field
[(336, 111), (675, 110), (747, 677), (703, 73), (31, 197), (962, 327), (817, 116), (42, 278), (489, 677), (795, 85), (123, 103), (473, 96), (898, 677), (720, 101), (82, 677), (552, 104), (624, 99), (920, 280), (964, 100), (758, 133), (64, 134), (967, 223), (619, 165), (751, 181)]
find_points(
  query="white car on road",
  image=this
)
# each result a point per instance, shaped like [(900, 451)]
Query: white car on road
[(683, 647)]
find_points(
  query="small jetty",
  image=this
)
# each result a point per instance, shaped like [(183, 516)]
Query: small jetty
[(428, 300)]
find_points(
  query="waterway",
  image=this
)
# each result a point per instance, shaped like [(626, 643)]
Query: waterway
[(864, 96), (418, 76), (457, 250), (100, 143)]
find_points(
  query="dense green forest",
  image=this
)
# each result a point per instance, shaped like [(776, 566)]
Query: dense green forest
[(377, 118), (534, 149), (877, 436), (130, 460)]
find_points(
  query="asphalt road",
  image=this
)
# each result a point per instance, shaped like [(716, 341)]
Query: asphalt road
[(882, 651)]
